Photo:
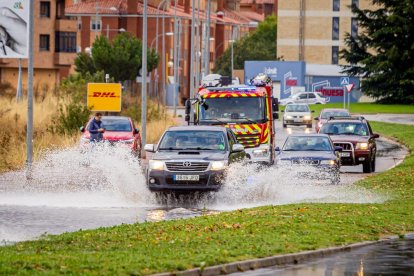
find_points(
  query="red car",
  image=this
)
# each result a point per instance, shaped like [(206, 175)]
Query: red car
[(327, 113), (118, 130)]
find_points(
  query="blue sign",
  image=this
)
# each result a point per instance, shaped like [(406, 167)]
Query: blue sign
[(288, 73), (344, 80)]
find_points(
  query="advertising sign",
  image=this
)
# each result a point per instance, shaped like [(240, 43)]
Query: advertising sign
[(14, 28), (104, 97)]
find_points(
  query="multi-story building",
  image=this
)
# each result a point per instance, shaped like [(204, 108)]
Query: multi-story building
[(314, 30), (55, 37)]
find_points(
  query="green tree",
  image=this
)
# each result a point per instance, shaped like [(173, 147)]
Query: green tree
[(257, 45), (120, 58), (383, 51)]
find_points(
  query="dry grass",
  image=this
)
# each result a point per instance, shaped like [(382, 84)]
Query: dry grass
[(13, 119)]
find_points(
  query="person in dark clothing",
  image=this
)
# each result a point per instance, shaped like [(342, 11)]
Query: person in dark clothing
[(96, 128)]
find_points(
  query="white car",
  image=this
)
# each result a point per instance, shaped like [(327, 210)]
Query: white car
[(305, 97), (297, 114)]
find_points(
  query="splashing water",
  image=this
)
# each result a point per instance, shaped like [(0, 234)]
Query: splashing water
[(100, 176)]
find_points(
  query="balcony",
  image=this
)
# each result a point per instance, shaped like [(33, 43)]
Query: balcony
[(64, 58)]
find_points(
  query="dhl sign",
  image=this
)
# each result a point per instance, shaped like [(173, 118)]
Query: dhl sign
[(104, 97)]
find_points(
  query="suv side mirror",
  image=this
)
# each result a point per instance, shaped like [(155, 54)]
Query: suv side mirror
[(275, 104), (375, 135), (237, 148), (149, 148), (136, 131), (82, 129), (277, 149), (316, 118), (312, 111)]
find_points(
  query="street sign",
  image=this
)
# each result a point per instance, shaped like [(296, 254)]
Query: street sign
[(344, 80), (349, 87), (104, 97)]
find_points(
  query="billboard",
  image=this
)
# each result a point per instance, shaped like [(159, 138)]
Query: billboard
[(104, 97), (14, 28)]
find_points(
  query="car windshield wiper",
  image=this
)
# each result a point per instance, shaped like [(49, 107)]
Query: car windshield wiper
[(198, 148), (347, 133), (290, 150), (171, 148)]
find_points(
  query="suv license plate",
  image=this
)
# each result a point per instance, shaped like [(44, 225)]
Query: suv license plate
[(186, 177), (345, 154)]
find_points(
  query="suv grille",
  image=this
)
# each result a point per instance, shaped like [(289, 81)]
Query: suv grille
[(248, 140), (345, 146), (305, 162), (187, 166)]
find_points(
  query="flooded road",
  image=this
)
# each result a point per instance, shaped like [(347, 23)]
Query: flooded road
[(390, 258), (69, 191)]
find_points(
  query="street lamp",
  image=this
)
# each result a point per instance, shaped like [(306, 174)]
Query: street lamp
[(97, 9), (121, 30), (156, 38)]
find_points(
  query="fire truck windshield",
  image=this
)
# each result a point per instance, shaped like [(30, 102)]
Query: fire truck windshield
[(233, 109)]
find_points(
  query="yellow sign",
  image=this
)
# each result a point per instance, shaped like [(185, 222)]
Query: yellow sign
[(104, 96)]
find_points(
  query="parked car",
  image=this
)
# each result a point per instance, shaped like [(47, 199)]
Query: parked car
[(192, 158), (297, 114), (119, 130), (305, 97), (327, 113), (312, 150), (355, 136)]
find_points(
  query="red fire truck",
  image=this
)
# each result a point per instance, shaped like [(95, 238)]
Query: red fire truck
[(249, 110)]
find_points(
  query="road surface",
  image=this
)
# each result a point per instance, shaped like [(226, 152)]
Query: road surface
[(64, 195)]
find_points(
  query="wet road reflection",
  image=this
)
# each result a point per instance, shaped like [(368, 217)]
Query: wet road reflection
[(390, 258)]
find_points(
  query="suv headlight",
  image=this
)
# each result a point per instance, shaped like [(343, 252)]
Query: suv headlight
[(260, 152), (328, 162), (288, 117), (307, 117), (362, 146), (156, 165), (218, 165)]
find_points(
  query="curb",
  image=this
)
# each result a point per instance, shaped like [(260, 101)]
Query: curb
[(288, 259)]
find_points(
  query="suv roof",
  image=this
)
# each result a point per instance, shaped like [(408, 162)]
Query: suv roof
[(197, 128), (348, 118)]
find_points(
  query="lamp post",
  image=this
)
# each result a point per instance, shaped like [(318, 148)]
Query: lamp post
[(144, 78), (156, 38)]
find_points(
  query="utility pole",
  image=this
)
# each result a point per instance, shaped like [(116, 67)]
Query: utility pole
[(144, 78), (29, 137), (192, 51), (207, 58), (19, 92), (176, 39), (163, 57)]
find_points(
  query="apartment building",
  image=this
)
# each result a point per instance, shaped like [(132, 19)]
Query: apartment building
[(314, 30), (55, 37)]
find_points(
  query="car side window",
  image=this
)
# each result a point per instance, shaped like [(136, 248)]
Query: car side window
[(312, 96), (302, 96), (369, 129)]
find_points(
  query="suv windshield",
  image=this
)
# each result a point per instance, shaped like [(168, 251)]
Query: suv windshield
[(297, 108), (307, 143), (233, 109), (345, 128), (117, 124), (338, 113), (193, 140)]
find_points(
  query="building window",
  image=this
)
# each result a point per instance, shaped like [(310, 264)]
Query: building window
[(44, 42), (335, 54), (45, 9), (354, 27), (355, 3), (336, 5), (96, 24), (65, 42), (335, 28)]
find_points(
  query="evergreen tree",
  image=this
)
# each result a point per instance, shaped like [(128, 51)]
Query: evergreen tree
[(382, 53)]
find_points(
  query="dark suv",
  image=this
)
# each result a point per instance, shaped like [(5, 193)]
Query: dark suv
[(192, 158), (355, 136)]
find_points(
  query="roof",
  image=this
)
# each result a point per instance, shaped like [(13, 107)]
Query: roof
[(197, 128), (250, 2), (324, 70), (309, 135), (253, 16)]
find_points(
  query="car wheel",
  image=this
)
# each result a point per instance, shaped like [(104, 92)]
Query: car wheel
[(367, 166), (373, 164)]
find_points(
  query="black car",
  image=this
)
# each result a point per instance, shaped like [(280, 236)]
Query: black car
[(192, 158), (312, 150)]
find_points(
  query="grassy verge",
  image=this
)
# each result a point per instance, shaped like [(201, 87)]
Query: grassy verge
[(177, 245), (368, 108)]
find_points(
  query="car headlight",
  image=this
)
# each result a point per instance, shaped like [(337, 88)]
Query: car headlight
[(218, 165), (129, 141), (307, 117), (288, 117), (156, 165), (328, 162), (362, 146), (260, 152)]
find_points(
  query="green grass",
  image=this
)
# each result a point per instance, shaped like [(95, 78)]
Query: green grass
[(368, 108), (208, 240)]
